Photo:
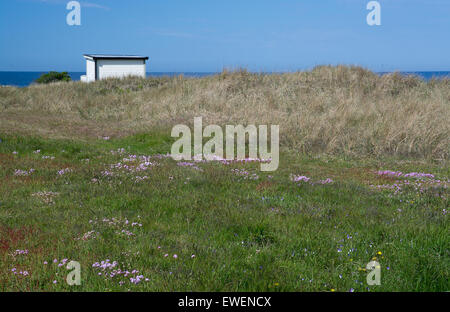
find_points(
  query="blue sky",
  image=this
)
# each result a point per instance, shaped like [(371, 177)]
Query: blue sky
[(208, 35)]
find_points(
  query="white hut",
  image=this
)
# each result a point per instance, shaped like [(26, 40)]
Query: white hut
[(101, 66)]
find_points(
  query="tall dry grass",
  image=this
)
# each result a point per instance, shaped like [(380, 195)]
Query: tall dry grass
[(337, 110)]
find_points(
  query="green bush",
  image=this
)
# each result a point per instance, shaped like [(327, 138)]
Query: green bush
[(53, 77)]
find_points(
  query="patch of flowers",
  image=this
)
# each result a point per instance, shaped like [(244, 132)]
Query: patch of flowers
[(131, 164), (23, 273), (245, 174), (189, 164), (125, 232), (62, 263), (20, 252), (122, 227), (89, 235), (116, 222), (110, 270), (295, 178), (46, 197), (390, 173), (64, 171), (162, 156), (23, 173), (349, 250), (119, 151), (15, 271), (140, 179), (326, 181), (174, 256), (302, 178), (225, 161), (107, 173), (58, 264), (134, 164), (420, 183)]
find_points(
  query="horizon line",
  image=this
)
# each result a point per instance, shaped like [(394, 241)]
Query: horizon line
[(213, 72)]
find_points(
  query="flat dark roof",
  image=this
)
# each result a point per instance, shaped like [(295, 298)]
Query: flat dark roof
[(116, 57)]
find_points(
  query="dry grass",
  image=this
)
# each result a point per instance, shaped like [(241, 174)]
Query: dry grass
[(336, 110)]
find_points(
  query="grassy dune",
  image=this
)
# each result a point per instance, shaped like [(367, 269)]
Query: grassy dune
[(333, 110), (363, 176)]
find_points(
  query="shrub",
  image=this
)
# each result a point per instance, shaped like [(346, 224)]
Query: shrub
[(53, 77)]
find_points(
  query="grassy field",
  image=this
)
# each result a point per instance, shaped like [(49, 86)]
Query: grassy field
[(85, 176)]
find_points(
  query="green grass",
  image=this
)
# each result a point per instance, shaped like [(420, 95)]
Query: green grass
[(269, 234)]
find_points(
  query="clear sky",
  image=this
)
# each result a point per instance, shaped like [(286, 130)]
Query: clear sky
[(208, 35)]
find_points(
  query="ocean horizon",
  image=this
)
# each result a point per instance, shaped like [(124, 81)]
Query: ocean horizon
[(25, 78)]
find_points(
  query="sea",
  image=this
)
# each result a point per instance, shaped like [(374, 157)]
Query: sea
[(23, 79)]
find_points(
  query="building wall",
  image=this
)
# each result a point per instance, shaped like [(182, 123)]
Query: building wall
[(90, 70), (120, 68)]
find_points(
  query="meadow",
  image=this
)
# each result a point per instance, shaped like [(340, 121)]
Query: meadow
[(85, 175)]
